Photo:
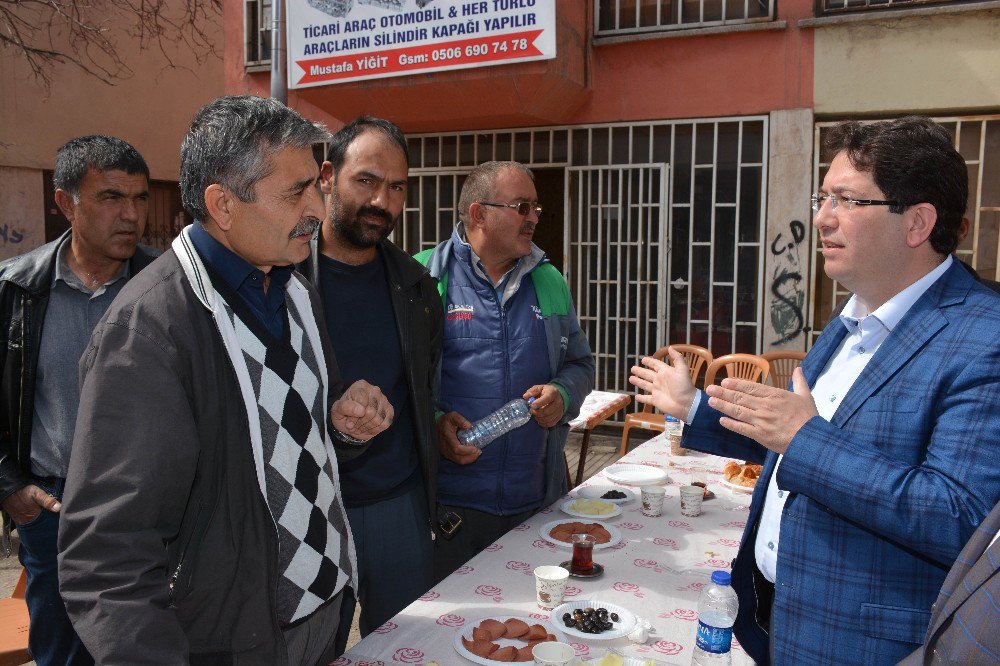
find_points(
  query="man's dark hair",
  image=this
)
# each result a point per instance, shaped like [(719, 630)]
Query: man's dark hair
[(231, 141), (912, 160), (343, 139), (97, 152)]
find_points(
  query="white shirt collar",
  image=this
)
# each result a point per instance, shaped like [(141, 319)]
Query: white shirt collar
[(892, 311)]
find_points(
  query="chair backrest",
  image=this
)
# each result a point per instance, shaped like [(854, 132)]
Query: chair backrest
[(783, 362), (20, 586), (696, 357), (750, 367)]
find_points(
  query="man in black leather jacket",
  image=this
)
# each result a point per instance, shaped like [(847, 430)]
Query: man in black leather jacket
[(384, 317), (50, 301)]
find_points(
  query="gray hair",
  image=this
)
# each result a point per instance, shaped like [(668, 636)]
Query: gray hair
[(230, 142), (97, 152), (480, 185)]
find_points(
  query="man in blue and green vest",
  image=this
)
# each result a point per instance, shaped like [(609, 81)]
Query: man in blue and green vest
[(510, 331)]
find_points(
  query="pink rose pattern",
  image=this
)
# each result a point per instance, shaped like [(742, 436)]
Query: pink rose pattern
[(681, 525), (648, 564), (450, 620), (493, 547), (385, 628), (490, 591), (408, 656), (523, 567), (667, 647), (667, 543), (632, 588)]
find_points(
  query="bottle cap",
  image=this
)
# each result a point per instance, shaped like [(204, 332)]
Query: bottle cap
[(670, 419), (721, 577)]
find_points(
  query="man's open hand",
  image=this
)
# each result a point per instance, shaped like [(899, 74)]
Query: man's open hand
[(770, 416)]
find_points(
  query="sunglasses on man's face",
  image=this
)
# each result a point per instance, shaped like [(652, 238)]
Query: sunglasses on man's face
[(523, 208)]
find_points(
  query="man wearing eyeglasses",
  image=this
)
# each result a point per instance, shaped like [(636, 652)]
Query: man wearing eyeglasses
[(881, 462), (510, 332)]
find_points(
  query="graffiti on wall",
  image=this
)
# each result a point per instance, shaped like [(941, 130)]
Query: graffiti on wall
[(786, 283), (10, 235)]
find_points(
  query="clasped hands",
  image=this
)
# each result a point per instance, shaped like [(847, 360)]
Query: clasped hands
[(547, 409), (362, 411), (770, 416)]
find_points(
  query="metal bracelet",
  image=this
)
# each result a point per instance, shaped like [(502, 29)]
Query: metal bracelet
[(347, 438)]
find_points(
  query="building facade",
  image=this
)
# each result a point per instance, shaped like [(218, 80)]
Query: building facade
[(676, 143), (150, 107)]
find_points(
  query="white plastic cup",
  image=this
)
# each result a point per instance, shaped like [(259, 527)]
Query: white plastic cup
[(550, 585), (691, 499), (652, 500), (553, 654)]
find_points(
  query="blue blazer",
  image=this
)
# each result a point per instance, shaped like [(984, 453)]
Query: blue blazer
[(883, 496)]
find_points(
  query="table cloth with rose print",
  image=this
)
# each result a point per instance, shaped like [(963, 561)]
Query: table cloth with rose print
[(657, 571)]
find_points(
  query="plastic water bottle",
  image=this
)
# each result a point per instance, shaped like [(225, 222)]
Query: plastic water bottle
[(717, 608), (514, 414)]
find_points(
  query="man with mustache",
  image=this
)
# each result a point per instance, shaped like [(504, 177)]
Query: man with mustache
[(880, 464), (51, 299), (202, 520), (510, 332), (384, 317)]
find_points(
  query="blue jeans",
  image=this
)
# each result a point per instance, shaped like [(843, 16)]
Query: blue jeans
[(392, 539), (51, 638)]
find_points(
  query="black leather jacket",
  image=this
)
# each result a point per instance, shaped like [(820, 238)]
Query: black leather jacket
[(420, 324), (24, 295)]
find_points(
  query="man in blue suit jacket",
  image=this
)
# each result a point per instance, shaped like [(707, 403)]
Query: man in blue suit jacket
[(881, 462)]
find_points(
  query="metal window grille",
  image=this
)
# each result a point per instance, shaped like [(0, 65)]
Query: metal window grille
[(257, 32), (662, 225), (977, 139), (828, 7), (618, 17)]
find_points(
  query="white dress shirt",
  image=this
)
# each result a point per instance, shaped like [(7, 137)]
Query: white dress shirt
[(865, 334)]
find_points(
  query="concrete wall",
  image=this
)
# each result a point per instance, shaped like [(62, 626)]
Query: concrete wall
[(929, 63), (22, 216), (787, 250), (151, 110)]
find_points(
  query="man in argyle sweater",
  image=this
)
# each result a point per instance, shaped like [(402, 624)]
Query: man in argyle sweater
[(203, 521)]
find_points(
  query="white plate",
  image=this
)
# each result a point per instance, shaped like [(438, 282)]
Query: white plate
[(567, 507), (544, 530), (738, 488), (625, 624), (627, 661), (636, 475), (466, 632), (595, 492)]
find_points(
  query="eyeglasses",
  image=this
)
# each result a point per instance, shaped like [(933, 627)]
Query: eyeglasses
[(523, 208), (847, 202)]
